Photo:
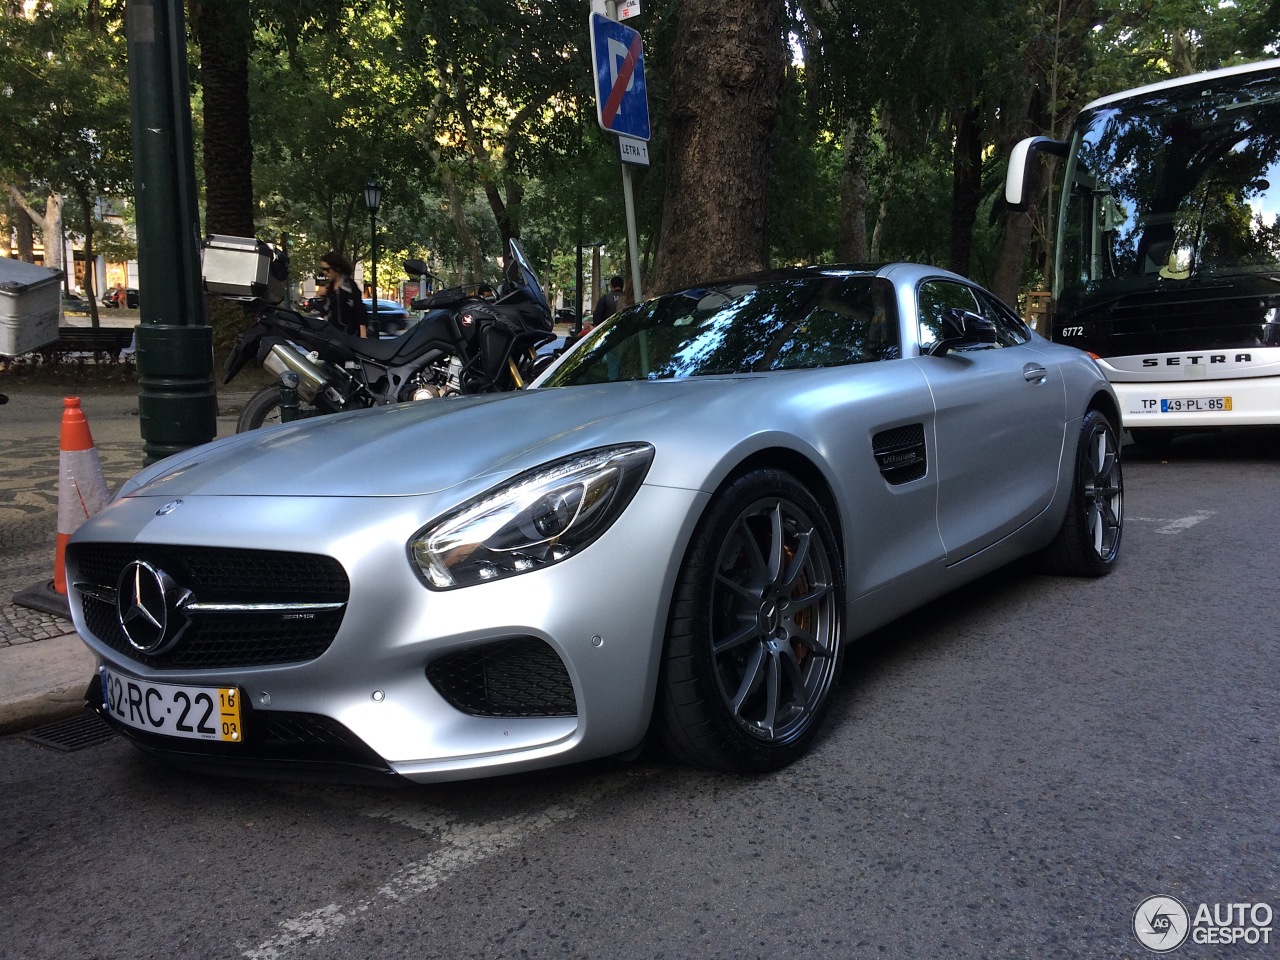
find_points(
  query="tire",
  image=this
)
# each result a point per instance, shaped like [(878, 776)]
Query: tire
[(263, 409), (1088, 544), (754, 638)]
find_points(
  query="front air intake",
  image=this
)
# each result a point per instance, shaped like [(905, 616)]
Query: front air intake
[(522, 677)]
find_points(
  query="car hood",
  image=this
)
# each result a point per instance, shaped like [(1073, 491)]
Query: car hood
[(416, 448)]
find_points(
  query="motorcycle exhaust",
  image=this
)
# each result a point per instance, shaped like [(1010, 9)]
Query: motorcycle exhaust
[(312, 378)]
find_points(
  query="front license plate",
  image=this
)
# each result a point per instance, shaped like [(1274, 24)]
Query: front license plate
[(1196, 405), (194, 713)]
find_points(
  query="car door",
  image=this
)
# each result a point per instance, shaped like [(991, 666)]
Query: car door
[(998, 423)]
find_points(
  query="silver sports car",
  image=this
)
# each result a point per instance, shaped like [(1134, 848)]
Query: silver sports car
[(669, 541)]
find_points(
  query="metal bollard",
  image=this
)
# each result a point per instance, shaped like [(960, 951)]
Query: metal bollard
[(288, 396)]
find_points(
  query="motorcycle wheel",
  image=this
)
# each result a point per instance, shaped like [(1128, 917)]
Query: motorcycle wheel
[(263, 410)]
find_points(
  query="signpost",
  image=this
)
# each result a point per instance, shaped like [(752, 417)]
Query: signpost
[(622, 107), (622, 99)]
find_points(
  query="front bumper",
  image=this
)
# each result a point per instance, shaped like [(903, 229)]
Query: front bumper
[(277, 745), (549, 667)]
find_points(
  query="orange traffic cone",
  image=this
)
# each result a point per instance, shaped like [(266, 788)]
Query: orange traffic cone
[(82, 487)]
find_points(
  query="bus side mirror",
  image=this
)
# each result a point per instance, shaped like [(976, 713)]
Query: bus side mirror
[(1017, 181)]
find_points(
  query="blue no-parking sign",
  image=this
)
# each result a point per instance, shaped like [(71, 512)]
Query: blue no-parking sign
[(622, 100)]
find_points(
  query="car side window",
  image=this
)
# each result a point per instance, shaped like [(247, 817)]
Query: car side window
[(933, 299), (1010, 328)]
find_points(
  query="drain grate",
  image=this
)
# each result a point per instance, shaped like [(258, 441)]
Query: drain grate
[(86, 730)]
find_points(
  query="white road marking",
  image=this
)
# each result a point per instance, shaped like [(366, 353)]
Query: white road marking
[(462, 845), (1179, 525)]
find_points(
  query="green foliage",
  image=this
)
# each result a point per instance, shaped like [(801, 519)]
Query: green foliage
[(804, 191), (64, 101), (327, 117), (482, 111)]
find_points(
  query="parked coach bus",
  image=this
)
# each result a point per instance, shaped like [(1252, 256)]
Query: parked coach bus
[(1167, 261)]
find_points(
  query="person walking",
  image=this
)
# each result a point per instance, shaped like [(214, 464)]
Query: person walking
[(607, 305), (344, 307)]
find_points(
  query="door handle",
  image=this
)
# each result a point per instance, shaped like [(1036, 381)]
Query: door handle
[(1034, 373)]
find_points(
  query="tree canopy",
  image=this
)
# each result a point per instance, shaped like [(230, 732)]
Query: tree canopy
[(882, 135)]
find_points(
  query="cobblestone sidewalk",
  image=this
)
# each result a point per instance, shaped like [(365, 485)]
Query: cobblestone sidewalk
[(24, 625), (29, 526)]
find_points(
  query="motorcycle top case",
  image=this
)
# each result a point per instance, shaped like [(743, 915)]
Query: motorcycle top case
[(242, 268)]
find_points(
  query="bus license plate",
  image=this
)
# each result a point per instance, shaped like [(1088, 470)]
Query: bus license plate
[(194, 713), (1196, 405)]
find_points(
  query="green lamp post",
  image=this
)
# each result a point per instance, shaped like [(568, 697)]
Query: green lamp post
[(373, 200)]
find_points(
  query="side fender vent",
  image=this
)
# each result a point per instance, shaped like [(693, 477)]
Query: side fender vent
[(900, 453)]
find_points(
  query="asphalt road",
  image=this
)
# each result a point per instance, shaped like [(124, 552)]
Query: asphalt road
[(1007, 773)]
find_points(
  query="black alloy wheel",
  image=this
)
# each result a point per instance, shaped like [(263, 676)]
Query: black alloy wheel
[(754, 638), (1088, 543)]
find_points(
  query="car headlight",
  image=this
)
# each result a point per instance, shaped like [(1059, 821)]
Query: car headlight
[(538, 518)]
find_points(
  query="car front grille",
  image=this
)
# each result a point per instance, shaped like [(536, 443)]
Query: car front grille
[(522, 677), (227, 579)]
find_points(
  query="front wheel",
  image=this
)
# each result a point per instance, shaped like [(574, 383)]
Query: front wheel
[(754, 636), (1088, 543), (263, 409)]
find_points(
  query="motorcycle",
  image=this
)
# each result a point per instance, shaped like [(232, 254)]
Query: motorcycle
[(463, 344)]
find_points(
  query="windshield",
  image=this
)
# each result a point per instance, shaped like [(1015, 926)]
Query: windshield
[(1175, 186), (750, 326), (529, 277)]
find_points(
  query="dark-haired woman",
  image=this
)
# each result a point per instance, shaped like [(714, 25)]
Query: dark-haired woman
[(345, 306)]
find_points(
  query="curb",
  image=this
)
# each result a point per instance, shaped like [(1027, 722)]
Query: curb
[(43, 682)]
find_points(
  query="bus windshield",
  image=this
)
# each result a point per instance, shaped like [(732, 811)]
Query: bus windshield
[(1171, 188)]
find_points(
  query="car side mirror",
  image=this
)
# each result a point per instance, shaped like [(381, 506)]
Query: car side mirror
[(962, 328), (416, 268)]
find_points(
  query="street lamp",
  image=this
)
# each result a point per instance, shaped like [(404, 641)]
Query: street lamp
[(373, 200)]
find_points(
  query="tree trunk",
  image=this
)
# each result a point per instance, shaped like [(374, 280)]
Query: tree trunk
[(89, 287), (726, 83), (50, 223), (966, 188), (224, 30), (466, 235), (877, 233), (23, 228), (854, 194)]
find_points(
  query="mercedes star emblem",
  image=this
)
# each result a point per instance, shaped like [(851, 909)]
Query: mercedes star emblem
[(148, 603)]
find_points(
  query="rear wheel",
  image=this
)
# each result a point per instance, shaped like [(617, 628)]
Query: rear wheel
[(1089, 541), (754, 637), (263, 409)]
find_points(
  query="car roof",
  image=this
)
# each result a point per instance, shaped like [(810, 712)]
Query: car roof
[(897, 271)]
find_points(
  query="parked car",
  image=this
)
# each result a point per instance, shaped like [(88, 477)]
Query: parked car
[(119, 297), (671, 539), (74, 303), (392, 317)]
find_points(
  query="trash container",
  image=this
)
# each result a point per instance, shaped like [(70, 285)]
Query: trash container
[(131, 298), (30, 300)]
